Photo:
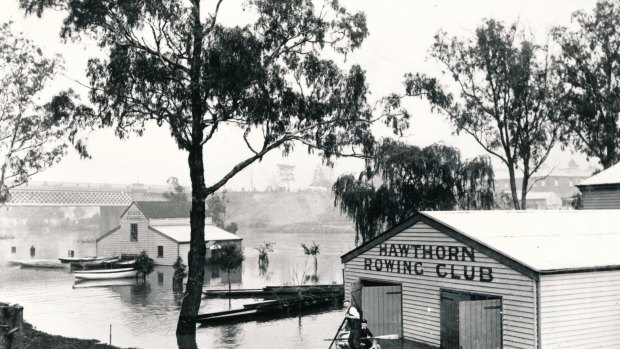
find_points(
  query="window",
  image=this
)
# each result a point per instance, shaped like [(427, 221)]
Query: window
[(13, 249), (542, 183), (160, 251), (505, 185), (570, 183), (133, 235), (556, 183)]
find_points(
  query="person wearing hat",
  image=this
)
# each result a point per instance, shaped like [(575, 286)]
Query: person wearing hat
[(366, 335), (354, 324)]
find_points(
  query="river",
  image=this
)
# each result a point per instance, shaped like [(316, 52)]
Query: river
[(144, 315)]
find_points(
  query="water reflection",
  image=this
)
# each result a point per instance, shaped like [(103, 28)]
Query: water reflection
[(144, 315)]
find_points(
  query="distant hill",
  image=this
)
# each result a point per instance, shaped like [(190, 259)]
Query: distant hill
[(261, 209)]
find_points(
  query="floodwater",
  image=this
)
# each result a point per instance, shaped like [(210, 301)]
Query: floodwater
[(144, 315)]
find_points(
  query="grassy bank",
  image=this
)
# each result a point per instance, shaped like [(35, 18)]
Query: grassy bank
[(32, 338)]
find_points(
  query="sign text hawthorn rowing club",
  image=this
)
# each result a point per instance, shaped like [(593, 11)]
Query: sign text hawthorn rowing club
[(411, 256)]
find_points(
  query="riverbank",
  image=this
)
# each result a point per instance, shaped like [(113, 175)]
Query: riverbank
[(32, 338)]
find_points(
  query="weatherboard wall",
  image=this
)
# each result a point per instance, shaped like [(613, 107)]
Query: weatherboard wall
[(171, 248), (607, 197), (119, 241), (421, 293), (580, 310)]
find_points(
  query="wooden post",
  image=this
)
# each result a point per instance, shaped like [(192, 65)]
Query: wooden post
[(110, 334), (11, 319)]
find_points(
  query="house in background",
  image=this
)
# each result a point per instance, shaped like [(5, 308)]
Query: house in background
[(162, 229), (602, 191), (547, 185)]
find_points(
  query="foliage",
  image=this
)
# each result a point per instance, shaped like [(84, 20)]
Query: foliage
[(33, 136), (589, 68), (286, 174), (507, 96), (229, 256), (576, 201), (178, 193), (144, 264), (172, 62), (431, 178), (232, 227), (311, 250), (180, 269), (216, 208)]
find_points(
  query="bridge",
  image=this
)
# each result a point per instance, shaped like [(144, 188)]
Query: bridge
[(112, 199)]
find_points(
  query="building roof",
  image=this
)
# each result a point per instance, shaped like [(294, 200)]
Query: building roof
[(164, 209), (546, 241), (608, 176), (181, 233)]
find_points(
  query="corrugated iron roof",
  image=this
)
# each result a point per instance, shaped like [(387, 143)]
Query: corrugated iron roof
[(181, 233), (608, 176), (545, 240), (164, 209)]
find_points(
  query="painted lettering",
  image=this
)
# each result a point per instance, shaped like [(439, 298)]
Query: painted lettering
[(418, 268), (367, 264), (415, 250), (453, 253), (406, 267), (439, 270), (383, 250), (486, 274), (389, 265), (378, 264), (427, 252), (469, 276), (404, 250), (393, 251), (440, 252), (454, 275), (469, 251)]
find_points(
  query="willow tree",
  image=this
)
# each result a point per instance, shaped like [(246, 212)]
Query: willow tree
[(505, 96), (589, 67), (171, 61), (411, 179)]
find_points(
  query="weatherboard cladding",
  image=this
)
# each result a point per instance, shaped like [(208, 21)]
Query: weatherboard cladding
[(421, 293), (119, 241), (580, 310), (601, 197)]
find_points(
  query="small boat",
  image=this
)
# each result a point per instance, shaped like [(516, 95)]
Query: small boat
[(37, 263), (78, 259), (97, 264), (126, 263), (105, 274), (81, 283)]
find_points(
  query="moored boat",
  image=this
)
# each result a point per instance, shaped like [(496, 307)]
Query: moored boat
[(83, 283), (78, 259), (97, 264), (37, 263), (105, 274)]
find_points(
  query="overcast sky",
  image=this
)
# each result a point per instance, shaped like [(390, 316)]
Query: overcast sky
[(401, 33)]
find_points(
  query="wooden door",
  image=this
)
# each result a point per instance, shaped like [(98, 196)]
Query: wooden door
[(449, 318), (382, 307), (480, 324)]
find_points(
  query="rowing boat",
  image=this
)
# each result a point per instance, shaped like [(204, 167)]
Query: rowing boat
[(105, 274), (37, 263), (78, 259)]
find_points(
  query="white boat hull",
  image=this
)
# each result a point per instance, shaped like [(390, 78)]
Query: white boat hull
[(105, 274)]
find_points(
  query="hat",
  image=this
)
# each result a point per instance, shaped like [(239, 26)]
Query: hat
[(364, 321)]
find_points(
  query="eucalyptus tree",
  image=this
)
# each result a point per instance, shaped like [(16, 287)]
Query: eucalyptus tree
[(506, 96), (589, 67), (31, 137), (402, 179), (171, 61)]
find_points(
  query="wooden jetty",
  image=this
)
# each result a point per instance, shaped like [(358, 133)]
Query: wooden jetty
[(268, 292), (270, 309)]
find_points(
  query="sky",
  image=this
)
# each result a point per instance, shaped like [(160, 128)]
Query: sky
[(401, 33)]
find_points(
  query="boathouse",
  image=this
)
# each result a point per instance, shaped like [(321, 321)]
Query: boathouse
[(162, 229), (493, 279), (602, 191)]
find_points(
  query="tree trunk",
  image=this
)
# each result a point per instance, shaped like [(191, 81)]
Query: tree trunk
[(526, 180), (186, 327), (513, 186)]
